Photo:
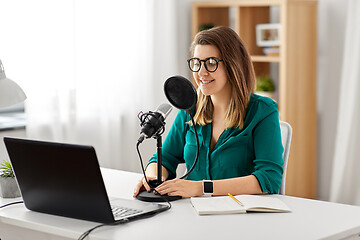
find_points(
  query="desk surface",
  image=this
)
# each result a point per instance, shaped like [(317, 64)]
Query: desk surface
[(309, 219)]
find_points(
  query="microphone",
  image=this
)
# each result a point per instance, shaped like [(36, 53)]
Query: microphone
[(152, 123), (181, 93)]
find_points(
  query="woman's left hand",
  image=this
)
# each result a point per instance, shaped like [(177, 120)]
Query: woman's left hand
[(181, 187)]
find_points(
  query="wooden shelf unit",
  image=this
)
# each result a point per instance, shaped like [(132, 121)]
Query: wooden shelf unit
[(296, 66)]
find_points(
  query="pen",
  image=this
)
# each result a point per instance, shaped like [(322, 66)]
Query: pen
[(240, 203)]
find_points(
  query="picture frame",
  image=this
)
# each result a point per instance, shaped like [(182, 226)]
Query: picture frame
[(268, 35)]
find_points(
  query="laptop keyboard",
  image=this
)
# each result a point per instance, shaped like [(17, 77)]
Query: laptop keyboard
[(119, 212)]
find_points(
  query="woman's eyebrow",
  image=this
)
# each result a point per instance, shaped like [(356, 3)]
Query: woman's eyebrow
[(205, 58)]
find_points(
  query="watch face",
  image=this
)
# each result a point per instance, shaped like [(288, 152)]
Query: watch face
[(208, 187)]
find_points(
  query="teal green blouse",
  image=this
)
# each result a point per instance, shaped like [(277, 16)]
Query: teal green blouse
[(255, 149)]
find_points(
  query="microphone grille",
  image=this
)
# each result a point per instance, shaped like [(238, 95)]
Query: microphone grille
[(164, 109)]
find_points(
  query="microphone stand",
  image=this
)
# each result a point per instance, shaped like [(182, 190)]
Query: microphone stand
[(159, 159), (176, 88), (151, 196)]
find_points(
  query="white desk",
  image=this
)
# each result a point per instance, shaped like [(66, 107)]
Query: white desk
[(310, 219)]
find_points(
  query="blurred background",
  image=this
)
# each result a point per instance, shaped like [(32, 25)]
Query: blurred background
[(89, 67)]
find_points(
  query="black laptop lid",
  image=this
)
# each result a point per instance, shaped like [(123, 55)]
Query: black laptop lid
[(60, 179)]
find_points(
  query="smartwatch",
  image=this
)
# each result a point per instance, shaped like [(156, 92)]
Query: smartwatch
[(208, 188)]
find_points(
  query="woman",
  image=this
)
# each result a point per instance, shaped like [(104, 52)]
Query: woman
[(239, 132)]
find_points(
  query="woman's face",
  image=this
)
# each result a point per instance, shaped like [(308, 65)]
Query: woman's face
[(210, 83)]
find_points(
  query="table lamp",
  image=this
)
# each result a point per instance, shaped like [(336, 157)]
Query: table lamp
[(10, 92)]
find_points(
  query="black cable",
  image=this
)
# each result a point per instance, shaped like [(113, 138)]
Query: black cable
[(9, 204), (197, 150), (85, 234), (141, 162), (145, 177), (122, 221)]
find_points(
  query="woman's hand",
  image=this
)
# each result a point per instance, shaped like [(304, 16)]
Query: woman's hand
[(142, 185), (180, 187), (151, 174)]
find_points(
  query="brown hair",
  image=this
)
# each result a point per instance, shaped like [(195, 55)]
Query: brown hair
[(240, 74)]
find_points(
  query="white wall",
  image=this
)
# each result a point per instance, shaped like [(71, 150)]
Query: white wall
[(331, 26)]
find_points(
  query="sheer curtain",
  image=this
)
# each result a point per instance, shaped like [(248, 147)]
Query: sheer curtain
[(345, 184), (88, 68)]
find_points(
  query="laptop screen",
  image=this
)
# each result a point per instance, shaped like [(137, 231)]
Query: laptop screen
[(60, 179)]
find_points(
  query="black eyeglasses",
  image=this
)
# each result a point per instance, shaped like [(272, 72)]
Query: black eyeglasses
[(211, 64)]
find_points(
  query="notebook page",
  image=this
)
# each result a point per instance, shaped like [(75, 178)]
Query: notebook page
[(216, 205), (263, 203)]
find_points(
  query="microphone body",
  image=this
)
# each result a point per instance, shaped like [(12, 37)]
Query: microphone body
[(153, 123)]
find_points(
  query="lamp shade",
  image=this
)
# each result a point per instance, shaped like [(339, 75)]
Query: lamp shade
[(10, 92)]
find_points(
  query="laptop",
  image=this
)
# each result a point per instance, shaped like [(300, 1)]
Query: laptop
[(65, 180)]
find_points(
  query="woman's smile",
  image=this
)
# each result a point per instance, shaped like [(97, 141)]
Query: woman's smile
[(206, 82)]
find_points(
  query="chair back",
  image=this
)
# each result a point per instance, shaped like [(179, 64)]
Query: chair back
[(286, 133)]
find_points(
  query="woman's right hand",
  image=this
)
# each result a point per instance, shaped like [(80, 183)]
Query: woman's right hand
[(142, 185), (151, 174)]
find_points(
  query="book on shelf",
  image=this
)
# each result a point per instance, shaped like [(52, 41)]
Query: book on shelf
[(246, 203), (271, 51)]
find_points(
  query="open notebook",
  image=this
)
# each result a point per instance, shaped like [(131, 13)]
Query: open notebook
[(227, 205)]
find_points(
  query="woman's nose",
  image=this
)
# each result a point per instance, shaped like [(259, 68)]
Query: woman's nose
[(203, 70)]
